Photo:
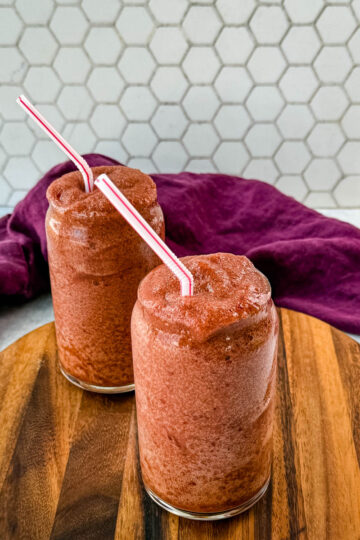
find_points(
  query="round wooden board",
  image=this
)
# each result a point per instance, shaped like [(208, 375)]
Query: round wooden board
[(69, 461)]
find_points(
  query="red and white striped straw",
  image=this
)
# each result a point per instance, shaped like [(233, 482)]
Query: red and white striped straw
[(146, 232), (60, 141)]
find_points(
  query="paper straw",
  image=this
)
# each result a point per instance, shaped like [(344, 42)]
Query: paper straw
[(146, 232), (60, 141)]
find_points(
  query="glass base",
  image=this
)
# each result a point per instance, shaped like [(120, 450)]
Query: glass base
[(211, 516), (94, 388)]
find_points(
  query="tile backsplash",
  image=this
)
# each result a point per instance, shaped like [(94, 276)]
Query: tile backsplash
[(263, 89)]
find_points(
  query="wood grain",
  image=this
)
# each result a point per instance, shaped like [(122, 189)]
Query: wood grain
[(69, 466)]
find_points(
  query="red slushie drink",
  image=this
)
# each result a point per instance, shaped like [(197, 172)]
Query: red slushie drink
[(96, 264), (205, 371)]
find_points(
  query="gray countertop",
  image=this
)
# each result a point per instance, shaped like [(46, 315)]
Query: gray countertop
[(17, 320)]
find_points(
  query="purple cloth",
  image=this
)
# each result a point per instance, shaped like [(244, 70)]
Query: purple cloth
[(312, 262)]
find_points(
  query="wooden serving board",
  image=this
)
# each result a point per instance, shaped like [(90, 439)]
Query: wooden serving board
[(69, 464)]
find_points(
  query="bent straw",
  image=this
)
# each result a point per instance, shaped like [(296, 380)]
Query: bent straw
[(60, 141), (146, 232)]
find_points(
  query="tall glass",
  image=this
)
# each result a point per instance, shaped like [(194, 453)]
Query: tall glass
[(205, 371), (96, 264)]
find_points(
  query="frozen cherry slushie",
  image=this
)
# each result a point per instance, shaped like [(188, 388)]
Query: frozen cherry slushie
[(205, 370), (96, 264)]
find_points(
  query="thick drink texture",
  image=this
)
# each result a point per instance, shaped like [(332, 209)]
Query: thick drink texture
[(96, 264), (205, 371)]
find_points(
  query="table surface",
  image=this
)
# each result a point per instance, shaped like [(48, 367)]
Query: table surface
[(69, 461)]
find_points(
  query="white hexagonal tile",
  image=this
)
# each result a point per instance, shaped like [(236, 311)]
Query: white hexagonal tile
[(21, 173), (169, 84), (347, 193), (169, 122), (234, 45), (201, 103), (200, 166), (145, 165), (138, 103), (235, 12), (75, 102), (52, 114), (10, 26), (201, 65), (298, 83), (105, 84), (46, 154), (9, 109), (168, 45), (301, 45), (16, 197), (322, 174), (42, 84), (304, 11), (201, 24), (72, 65), (261, 169), (352, 85), (200, 140), (168, 12), (4, 191), (292, 157), (333, 64), (12, 65), (134, 25), (336, 24), (139, 139), (295, 121), (231, 157), (354, 46), (325, 139), (69, 25), (17, 139), (107, 121), (232, 121), (233, 84), (103, 45), (262, 140), (107, 13), (351, 122), (136, 65), (266, 64), (269, 24), (80, 136), (320, 200), (264, 103), (329, 103), (170, 157), (112, 149), (35, 12), (293, 186), (349, 157), (38, 45)]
